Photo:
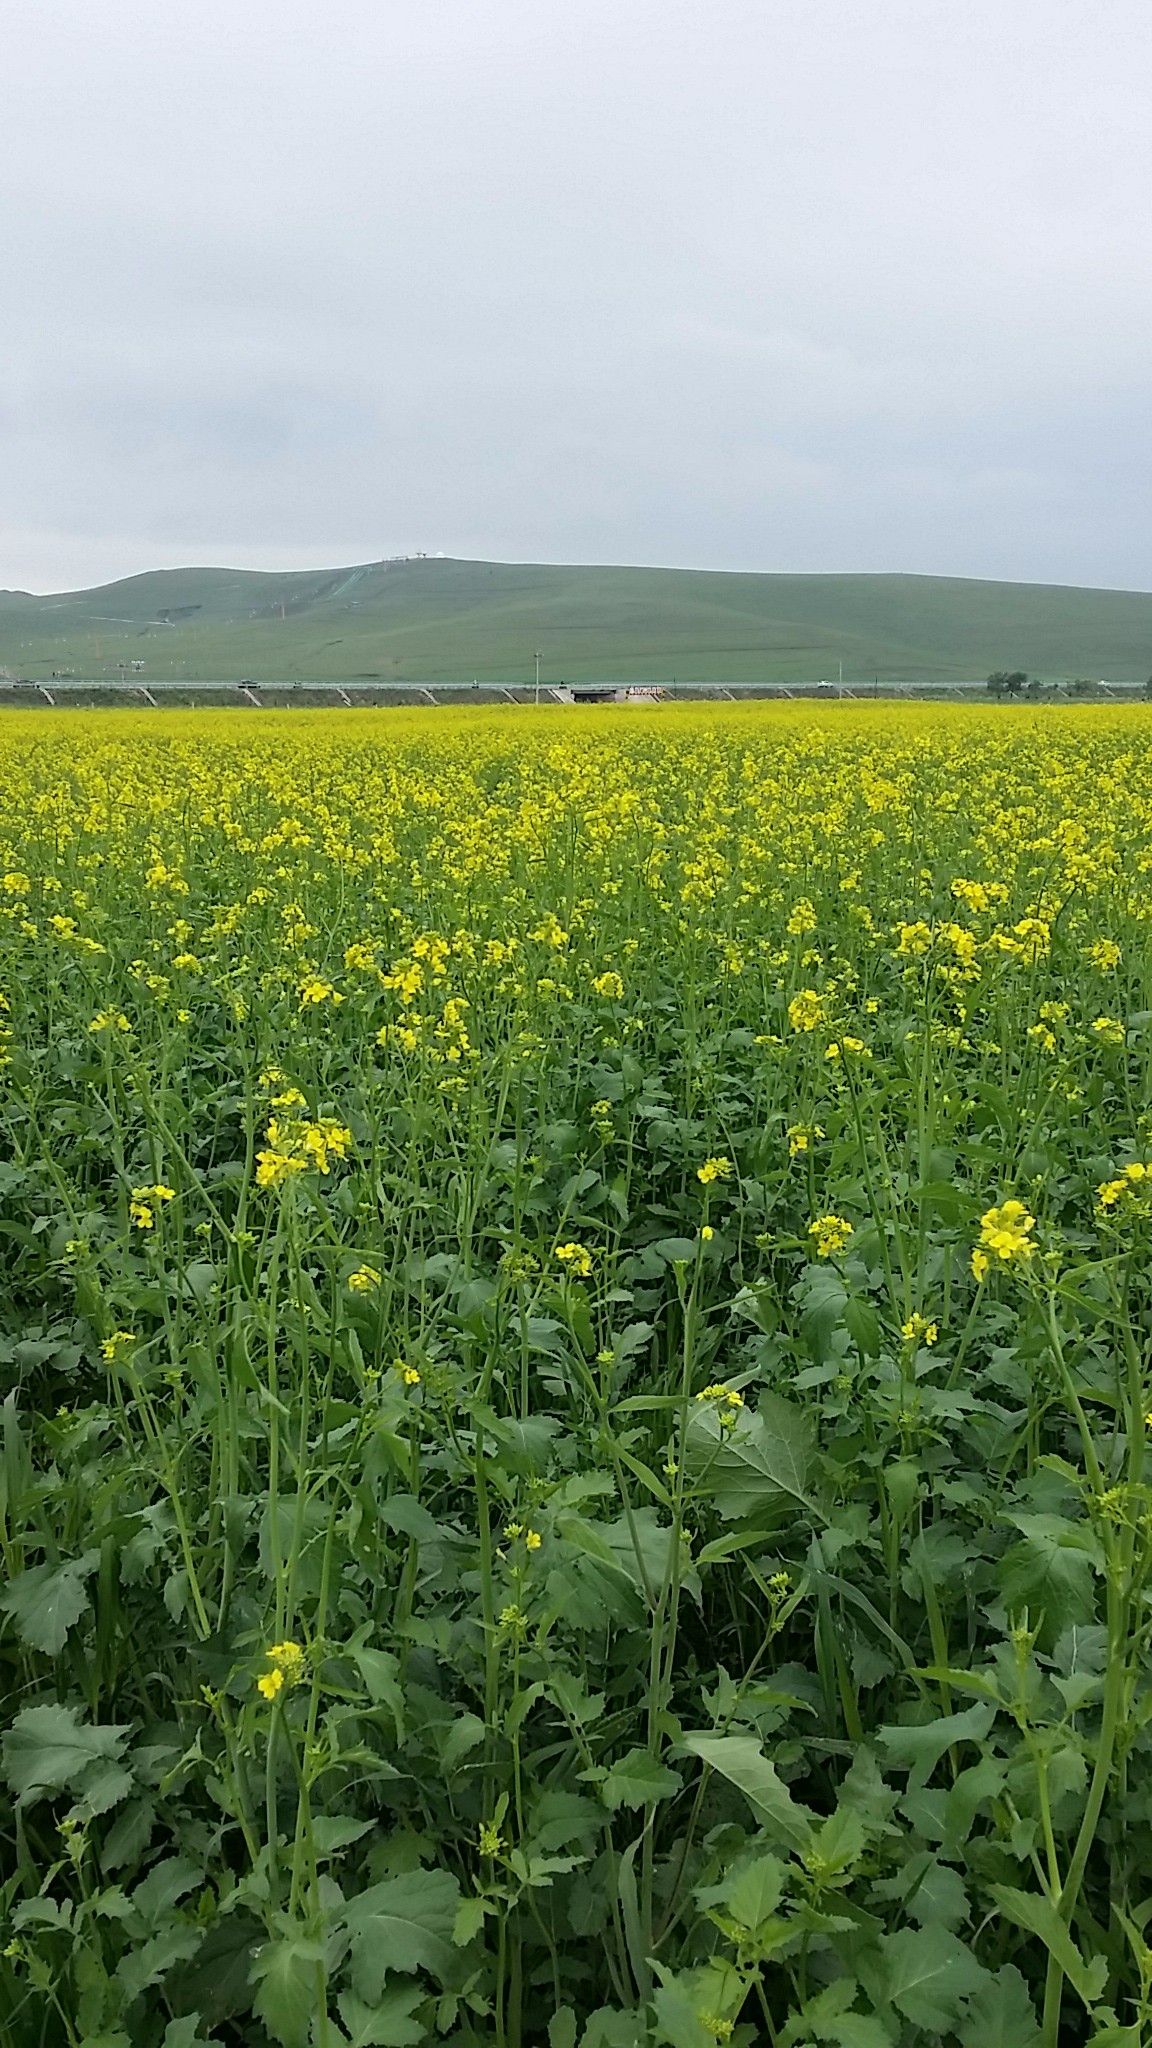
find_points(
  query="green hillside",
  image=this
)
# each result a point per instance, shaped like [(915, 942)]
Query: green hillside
[(444, 621)]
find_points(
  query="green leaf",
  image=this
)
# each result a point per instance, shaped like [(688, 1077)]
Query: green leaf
[(1051, 1572), (829, 2018), (761, 1465), (1001, 2015), (929, 1891), (1038, 1916), (166, 1883), (380, 1674), (49, 1749), (837, 1845), (609, 2028), (685, 2003), (468, 1922), (153, 1959), (753, 1895), (105, 1785), (389, 2022), (827, 1298), (741, 1760), (404, 1924), (919, 1749), (863, 1325), (185, 2033), (287, 1977), (464, 1735), (638, 1780), (928, 1974), (334, 1832), (678, 2024), (409, 1517), (47, 1601)]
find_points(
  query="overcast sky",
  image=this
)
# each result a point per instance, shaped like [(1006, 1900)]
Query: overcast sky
[(758, 284)]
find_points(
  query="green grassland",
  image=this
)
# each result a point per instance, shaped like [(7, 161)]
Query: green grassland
[(445, 621)]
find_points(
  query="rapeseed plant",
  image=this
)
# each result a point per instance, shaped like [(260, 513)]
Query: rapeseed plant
[(748, 1642)]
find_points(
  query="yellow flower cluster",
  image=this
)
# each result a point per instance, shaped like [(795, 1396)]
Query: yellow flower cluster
[(728, 1402), (365, 1280), (575, 1258), (286, 1661), (1005, 1237), (802, 1137), (829, 1234), (145, 1202), (918, 1329), (294, 1146), (1129, 1194), (806, 1011)]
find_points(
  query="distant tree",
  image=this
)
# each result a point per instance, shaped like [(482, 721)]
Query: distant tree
[(1148, 687), (1035, 687), (1007, 682), (1082, 686)]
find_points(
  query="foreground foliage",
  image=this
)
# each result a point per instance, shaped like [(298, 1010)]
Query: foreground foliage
[(576, 1337)]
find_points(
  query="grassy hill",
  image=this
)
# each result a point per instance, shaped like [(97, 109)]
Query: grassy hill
[(444, 621)]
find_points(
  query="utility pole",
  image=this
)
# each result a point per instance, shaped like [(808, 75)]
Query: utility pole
[(537, 675)]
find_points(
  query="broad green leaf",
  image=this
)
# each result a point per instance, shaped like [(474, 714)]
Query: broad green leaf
[(409, 1517), (609, 2028), (741, 1760), (638, 1780), (380, 1673), (1001, 2014), (919, 1748), (829, 2019), (928, 1974), (678, 2023), (1080, 1656), (1051, 1573), (334, 1832), (185, 2033), (50, 1749), (152, 1961), (104, 1786), (166, 1883), (389, 2022), (288, 1975), (47, 1601), (837, 1845), (753, 1895), (761, 1466), (685, 2004), (464, 1735), (468, 1922), (929, 1891), (863, 1325), (827, 1298), (404, 1924), (1038, 1916), (975, 1788)]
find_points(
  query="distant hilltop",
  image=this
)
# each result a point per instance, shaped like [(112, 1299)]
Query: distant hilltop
[(427, 619)]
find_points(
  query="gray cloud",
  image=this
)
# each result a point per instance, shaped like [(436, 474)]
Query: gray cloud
[(800, 284)]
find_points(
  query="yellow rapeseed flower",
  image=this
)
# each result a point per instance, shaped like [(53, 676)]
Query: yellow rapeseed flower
[(714, 1169), (830, 1234), (1006, 1232)]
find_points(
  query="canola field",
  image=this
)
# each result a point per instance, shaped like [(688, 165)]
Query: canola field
[(575, 1337)]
